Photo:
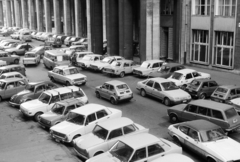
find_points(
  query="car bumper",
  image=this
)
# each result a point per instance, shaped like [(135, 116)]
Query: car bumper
[(25, 113), (29, 62), (14, 104), (79, 83), (44, 125), (180, 101), (233, 128), (139, 74), (59, 138)]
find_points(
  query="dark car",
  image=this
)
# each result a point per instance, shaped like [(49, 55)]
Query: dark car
[(166, 70), (32, 91), (201, 88), (54, 42), (70, 41)]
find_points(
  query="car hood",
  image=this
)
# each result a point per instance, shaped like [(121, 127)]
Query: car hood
[(100, 64), (104, 157), (141, 69), (88, 141), (23, 92), (178, 93), (66, 127), (32, 104), (50, 116), (75, 76), (226, 148)]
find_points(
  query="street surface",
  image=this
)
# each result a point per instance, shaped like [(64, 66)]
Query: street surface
[(23, 140)]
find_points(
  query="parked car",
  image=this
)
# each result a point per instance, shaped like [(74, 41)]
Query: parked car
[(80, 41), (77, 56), (45, 36), (174, 158), (46, 100), (148, 67), (31, 58), (115, 91), (53, 58), (25, 36), (11, 86), (141, 147), (201, 88), (62, 37), (59, 112), (21, 49), (225, 93), (54, 42), (166, 70), (32, 91), (9, 44), (68, 75), (3, 63), (40, 50), (100, 64), (85, 62), (69, 42), (104, 135), (13, 75), (15, 35), (10, 59), (81, 121), (206, 139), (164, 90), (182, 77), (221, 114), (37, 35), (78, 48), (11, 68), (120, 68), (7, 32), (236, 104)]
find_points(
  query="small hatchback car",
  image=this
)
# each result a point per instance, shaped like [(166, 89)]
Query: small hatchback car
[(114, 91), (201, 88), (31, 58)]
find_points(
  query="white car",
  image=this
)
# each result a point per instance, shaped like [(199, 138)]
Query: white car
[(13, 74), (174, 158), (99, 65), (85, 62), (207, 140), (104, 135), (236, 103), (185, 76), (81, 121), (148, 67), (31, 58), (46, 100)]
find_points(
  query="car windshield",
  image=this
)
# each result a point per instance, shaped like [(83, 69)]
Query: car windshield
[(36, 49), (122, 87), (87, 58), (106, 60), (71, 71), (195, 84), (76, 118), (145, 65), (169, 86), (44, 98), (2, 85), (100, 132), (121, 151), (221, 90), (114, 63), (230, 113), (30, 55), (58, 108), (62, 58), (30, 87), (164, 69), (177, 76), (213, 135)]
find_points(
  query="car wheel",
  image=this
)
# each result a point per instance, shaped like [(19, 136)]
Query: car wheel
[(37, 115), (143, 92), (173, 118), (210, 159), (202, 96), (98, 95), (98, 153), (113, 101), (176, 141), (16, 61), (122, 74), (167, 102), (68, 83), (83, 83)]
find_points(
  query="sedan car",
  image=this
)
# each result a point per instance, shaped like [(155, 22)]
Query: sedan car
[(206, 139), (32, 91), (81, 121), (138, 148), (68, 75), (104, 135), (164, 90), (120, 68), (40, 50), (10, 59), (115, 91), (21, 49), (85, 62), (31, 58), (80, 42), (70, 41), (182, 77), (166, 70)]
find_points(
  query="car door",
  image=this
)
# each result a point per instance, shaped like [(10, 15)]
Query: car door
[(38, 90), (111, 91), (59, 76), (149, 87), (205, 88), (155, 151), (113, 137), (127, 68), (20, 85), (192, 140), (189, 113), (157, 91), (140, 155), (67, 110), (10, 90), (90, 123), (203, 113), (104, 90), (155, 66)]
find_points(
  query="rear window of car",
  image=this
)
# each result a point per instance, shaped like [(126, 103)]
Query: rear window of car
[(231, 113), (122, 86), (221, 90)]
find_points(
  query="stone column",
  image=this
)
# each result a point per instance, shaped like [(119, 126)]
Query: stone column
[(78, 18), (8, 14), (48, 17), (12, 13), (104, 19), (1, 14), (67, 17), (17, 13), (24, 13), (57, 16), (31, 14), (39, 8)]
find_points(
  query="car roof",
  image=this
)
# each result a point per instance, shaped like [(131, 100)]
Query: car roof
[(11, 79), (200, 125), (229, 86), (124, 61), (89, 109), (11, 73), (140, 140), (69, 101), (87, 52), (9, 66), (94, 55), (184, 71), (211, 104), (55, 52), (115, 82), (115, 123), (61, 90), (159, 79), (153, 61)]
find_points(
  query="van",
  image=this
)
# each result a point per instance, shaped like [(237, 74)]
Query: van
[(11, 68), (221, 114), (54, 58)]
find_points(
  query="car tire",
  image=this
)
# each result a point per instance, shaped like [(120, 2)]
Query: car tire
[(68, 83), (98, 153), (202, 96), (113, 101), (209, 159), (16, 61), (122, 74), (143, 93), (173, 118), (98, 95), (36, 116), (176, 141), (167, 102)]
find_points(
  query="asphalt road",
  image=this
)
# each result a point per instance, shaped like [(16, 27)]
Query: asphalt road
[(24, 140)]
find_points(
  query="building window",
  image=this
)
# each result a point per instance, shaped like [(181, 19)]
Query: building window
[(201, 7), (225, 7), (167, 7), (200, 46), (223, 48)]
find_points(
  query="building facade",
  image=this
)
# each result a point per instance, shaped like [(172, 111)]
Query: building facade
[(197, 32)]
